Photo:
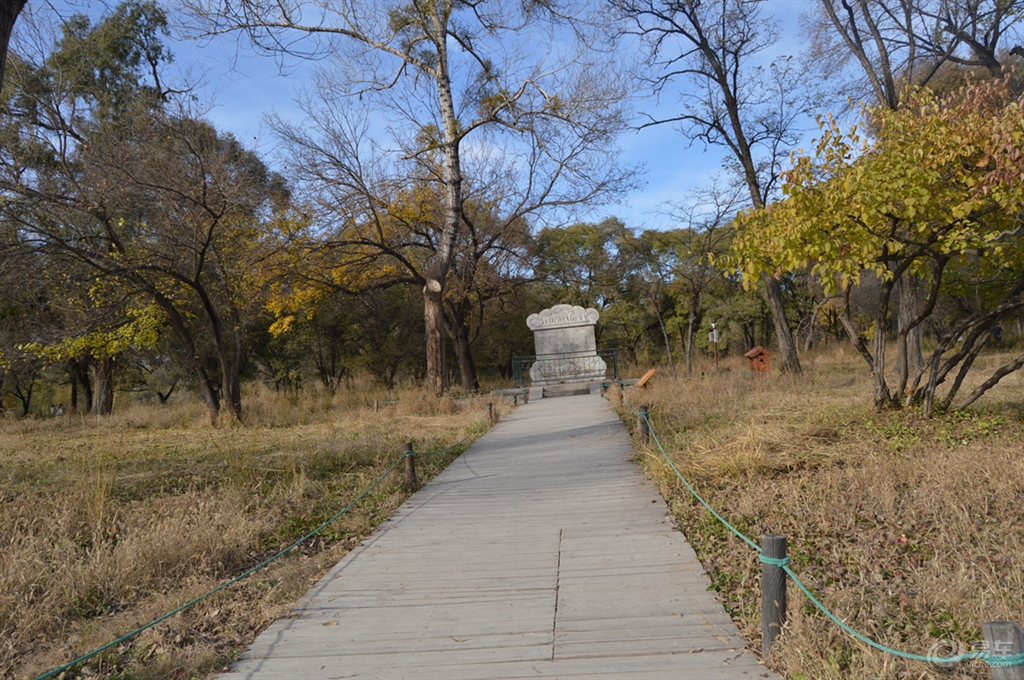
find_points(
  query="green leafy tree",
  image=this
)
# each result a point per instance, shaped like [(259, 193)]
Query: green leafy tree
[(104, 174), (652, 258), (578, 263)]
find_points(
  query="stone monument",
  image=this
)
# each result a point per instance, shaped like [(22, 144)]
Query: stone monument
[(566, 346)]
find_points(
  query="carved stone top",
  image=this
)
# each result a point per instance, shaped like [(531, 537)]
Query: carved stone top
[(562, 316)]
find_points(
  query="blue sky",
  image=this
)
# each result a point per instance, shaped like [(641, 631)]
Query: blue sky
[(241, 88)]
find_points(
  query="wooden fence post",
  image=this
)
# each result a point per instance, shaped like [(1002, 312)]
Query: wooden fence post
[(411, 482), (1003, 638), (490, 413), (645, 427), (773, 591)]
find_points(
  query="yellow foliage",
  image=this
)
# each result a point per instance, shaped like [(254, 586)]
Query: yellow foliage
[(934, 180), (142, 331)]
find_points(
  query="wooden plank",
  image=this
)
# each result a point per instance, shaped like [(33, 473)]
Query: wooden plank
[(642, 382), (541, 552)]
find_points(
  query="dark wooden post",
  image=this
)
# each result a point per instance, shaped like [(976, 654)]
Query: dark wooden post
[(515, 400), (376, 405), (411, 482), (773, 591), (1003, 638), (490, 412), (645, 427)]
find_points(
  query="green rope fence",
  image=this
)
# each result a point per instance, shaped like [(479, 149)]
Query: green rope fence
[(994, 660), (261, 565)]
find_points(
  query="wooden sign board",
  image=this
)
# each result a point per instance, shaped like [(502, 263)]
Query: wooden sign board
[(647, 376)]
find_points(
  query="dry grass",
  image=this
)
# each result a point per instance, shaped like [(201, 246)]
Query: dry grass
[(106, 524), (911, 530)]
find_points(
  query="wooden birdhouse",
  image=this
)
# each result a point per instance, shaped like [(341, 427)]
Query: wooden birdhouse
[(760, 361)]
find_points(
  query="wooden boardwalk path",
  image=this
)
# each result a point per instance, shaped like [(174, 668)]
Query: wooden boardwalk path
[(542, 552)]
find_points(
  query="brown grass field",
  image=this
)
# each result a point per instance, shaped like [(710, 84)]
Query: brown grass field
[(106, 524), (910, 530)]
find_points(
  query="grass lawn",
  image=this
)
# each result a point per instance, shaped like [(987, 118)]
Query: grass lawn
[(910, 530), (108, 523)]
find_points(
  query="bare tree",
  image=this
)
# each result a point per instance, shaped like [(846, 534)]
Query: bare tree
[(446, 71), (898, 44), (883, 39), (384, 214), (979, 26), (713, 47)]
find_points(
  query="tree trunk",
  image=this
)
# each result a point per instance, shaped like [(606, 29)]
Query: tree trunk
[(929, 390), (965, 367), (668, 345), (327, 366), (103, 386), (231, 368), (24, 395), (690, 321), (164, 396), (459, 332), (79, 371), (906, 346), (907, 295), (749, 336), (191, 353), (437, 272), (1000, 373), (883, 398), (231, 388), (433, 317), (9, 11), (789, 361)]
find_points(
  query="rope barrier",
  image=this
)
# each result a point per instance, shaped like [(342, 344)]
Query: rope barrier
[(781, 562), (994, 660), (261, 565)]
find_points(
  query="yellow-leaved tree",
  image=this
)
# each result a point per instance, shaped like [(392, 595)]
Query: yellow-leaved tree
[(935, 194)]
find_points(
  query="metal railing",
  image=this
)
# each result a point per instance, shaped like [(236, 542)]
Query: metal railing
[(549, 369)]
